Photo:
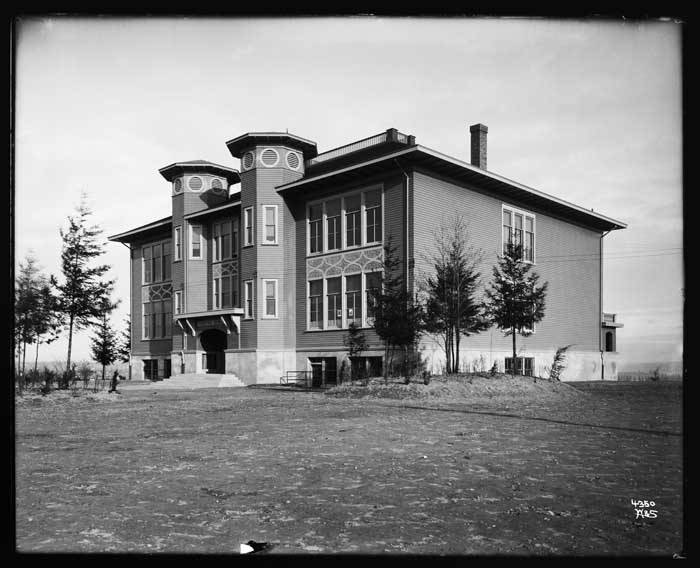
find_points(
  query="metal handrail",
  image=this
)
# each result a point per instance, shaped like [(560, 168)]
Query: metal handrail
[(287, 377)]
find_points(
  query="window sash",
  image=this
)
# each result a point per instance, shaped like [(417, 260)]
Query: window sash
[(249, 307), (270, 298), (226, 240), (315, 303), (195, 241), (270, 212), (334, 302), (353, 299), (519, 229), (226, 292), (178, 243), (248, 226)]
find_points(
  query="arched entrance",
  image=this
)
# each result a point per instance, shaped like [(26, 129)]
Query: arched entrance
[(213, 342)]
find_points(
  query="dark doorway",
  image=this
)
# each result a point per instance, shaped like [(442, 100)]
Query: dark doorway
[(610, 341), (214, 343), (323, 371)]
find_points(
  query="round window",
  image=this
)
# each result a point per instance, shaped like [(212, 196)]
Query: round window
[(216, 185), (195, 183), (269, 157), (293, 160), (177, 185), (248, 160)]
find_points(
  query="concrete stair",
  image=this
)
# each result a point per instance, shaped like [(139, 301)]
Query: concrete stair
[(188, 381)]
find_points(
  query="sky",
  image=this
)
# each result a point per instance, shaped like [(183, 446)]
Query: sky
[(588, 111)]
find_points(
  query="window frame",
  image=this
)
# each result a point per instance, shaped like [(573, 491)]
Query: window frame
[(191, 242), (321, 310), (156, 318), (249, 221), (249, 296), (151, 263), (525, 215), (177, 243), (265, 281), (177, 302), (274, 208)]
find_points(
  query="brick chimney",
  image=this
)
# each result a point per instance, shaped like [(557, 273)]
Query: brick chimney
[(478, 132)]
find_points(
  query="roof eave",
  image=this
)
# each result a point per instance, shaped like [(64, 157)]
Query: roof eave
[(125, 237)]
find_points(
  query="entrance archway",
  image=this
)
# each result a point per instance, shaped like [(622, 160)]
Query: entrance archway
[(214, 343)]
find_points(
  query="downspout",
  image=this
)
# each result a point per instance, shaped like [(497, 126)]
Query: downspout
[(407, 210), (131, 303), (600, 322)]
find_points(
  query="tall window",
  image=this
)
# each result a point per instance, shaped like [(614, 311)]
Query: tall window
[(353, 298), (225, 292), (234, 239), (157, 319), (248, 226), (270, 288), (216, 300), (270, 213), (334, 302), (178, 302), (373, 215), (156, 262), (178, 243), (221, 240), (315, 229), (373, 283), (249, 299), (315, 303), (352, 221), (519, 229), (195, 241), (333, 224)]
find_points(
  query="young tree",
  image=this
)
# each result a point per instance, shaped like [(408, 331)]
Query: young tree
[(452, 309), (398, 317), (80, 294), (105, 343), (514, 302), (356, 343), (48, 322), (27, 289), (125, 343)]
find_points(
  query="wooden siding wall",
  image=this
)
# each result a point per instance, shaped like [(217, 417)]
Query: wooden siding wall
[(572, 313)]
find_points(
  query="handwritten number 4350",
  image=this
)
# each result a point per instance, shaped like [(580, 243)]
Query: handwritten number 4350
[(640, 509)]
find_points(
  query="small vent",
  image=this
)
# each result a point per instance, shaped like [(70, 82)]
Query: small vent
[(177, 185), (195, 183), (248, 160), (269, 157), (293, 160), (216, 185)]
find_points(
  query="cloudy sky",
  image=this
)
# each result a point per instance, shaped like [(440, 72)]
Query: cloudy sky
[(589, 111)]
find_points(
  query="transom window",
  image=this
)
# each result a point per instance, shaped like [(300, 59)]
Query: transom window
[(156, 262), (519, 229), (347, 221)]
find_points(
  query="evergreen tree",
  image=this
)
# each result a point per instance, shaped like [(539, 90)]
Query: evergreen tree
[(81, 293), (105, 343), (125, 342), (398, 317), (48, 323), (452, 309), (27, 289), (514, 302)]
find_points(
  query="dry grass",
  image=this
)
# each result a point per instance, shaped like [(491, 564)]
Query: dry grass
[(464, 388)]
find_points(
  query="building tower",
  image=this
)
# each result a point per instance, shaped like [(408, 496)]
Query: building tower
[(268, 252)]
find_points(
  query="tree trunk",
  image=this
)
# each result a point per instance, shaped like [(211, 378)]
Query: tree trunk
[(24, 357), (515, 360), (70, 343), (36, 356)]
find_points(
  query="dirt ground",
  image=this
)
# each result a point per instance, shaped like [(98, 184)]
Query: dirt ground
[(204, 471)]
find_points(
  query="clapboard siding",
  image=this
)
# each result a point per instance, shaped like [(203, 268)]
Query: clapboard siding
[(572, 306)]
